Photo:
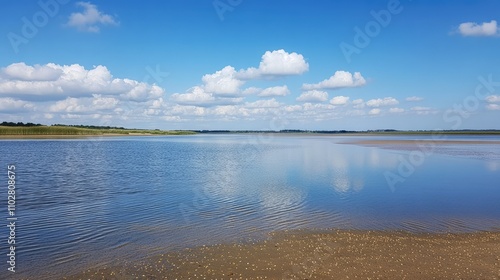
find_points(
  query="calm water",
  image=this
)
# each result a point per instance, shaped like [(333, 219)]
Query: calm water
[(104, 200)]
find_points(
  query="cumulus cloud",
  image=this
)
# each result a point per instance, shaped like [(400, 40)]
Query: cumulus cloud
[(251, 90), (276, 63), (22, 72), (90, 19), (266, 103), (475, 29), (387, 101), (275, 91), (197, 96), (339, 100), (414, 99), (313, 96), (341, 79), (358, 104), (8, 104), (84, 105), (223, 81), (375, 111), (396, 110), (103, 103), (70, 104), (493, 99), (59, 81)]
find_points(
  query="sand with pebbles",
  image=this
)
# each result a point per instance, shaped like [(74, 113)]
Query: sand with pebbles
[(326, 255)]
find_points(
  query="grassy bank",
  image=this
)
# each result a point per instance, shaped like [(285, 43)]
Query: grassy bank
[(66, 130)]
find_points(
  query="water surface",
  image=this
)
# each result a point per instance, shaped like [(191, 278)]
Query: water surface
[(105, 200)]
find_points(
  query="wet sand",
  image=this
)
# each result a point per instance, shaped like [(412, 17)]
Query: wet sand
[(326, 255)]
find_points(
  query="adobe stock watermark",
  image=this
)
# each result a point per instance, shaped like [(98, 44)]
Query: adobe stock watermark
[(156, 74), (12, 217), (30, 26), (455, 117), (363, 36), (223, 6)]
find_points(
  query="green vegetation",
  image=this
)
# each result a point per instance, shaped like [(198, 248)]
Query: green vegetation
[(19, 124), (11, 128), (32, 129)]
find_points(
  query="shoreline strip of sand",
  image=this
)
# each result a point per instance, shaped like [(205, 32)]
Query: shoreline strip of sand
[(334, 254)]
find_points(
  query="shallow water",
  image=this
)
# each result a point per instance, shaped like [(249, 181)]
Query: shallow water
[(100, 201)]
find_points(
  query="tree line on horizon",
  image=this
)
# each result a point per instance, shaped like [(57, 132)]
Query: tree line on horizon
[(29, 124)]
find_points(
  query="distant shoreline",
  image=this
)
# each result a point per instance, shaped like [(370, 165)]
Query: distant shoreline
[(62, 131), (59, 131), (69, 136)]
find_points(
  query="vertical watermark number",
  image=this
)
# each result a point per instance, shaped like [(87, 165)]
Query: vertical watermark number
[(11, 219)]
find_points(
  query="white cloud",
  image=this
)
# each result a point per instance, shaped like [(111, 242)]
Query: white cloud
[(90, 19), (189, 110), (313, 96), (475, 29), (374, 111), (276, 63), (21, 71), (358, 104), (493, 99), (141, 91), (386, 101), (266, 103), (230, 110), (275, 91), (339, 100), (396, 110), (414, 99), (273, 64), (251, 90), (70, 105), (84, 105), (493, 107), (60, 81), (317, 107), (197, 96), (340, 79), (194, 96), (8, 104), (223, 82), (104, 103)]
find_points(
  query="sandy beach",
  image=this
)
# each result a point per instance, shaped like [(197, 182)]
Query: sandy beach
[(326, 255)]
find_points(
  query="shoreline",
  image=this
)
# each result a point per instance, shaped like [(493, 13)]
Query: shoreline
[(276, 134), (326, 254), (75, 136)]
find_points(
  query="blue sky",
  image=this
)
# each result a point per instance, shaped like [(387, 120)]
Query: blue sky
[(240, 64)]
